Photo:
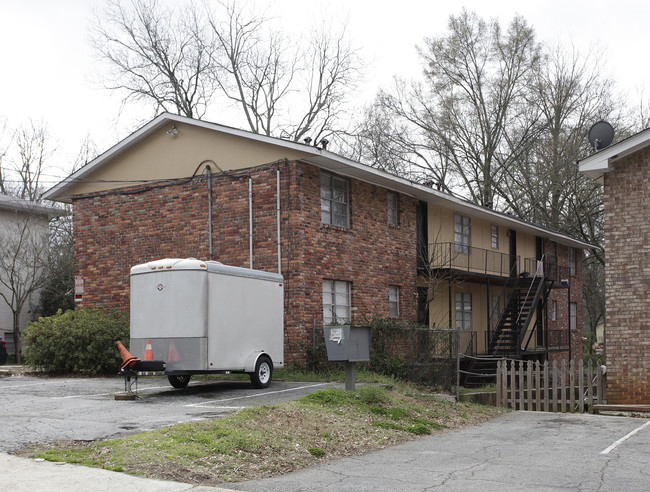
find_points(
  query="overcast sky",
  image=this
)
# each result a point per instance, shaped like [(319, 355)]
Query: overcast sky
[(49, 72)]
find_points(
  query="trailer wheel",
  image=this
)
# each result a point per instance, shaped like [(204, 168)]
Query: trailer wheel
[(179, 381), (261, 378)]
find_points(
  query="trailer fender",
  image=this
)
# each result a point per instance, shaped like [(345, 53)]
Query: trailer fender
[(251, 361)]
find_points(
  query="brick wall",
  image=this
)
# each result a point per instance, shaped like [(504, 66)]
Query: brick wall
[(116, 230), (563, 296), (627, 279)]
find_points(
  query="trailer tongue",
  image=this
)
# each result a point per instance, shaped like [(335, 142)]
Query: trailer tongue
[(199, 317)]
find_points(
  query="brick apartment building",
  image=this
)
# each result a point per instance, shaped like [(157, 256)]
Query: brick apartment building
[(624, 170), (349, 239)]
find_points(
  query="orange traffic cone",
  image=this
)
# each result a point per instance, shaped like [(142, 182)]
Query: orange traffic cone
[(148, 351), (127, 359), (172, 354)]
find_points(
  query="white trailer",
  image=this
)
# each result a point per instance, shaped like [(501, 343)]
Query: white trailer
[(205, 317)]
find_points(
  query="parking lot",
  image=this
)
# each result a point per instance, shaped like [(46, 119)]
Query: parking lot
[(39, 409), (533, 450)]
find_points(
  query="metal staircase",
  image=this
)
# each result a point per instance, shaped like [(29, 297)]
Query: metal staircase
[(515, 319)]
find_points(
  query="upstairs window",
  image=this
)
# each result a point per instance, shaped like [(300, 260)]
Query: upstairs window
[(334, 200), (393, 208), (462, 234), (336, 302), (495, 237), (572, 261), (393, 301)]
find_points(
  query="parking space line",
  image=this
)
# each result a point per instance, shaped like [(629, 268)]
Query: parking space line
[(256, 395), (106, 394), (624, 438), (28, 384)]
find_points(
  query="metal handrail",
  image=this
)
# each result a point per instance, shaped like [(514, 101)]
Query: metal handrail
[(511, 278), (471, 259)]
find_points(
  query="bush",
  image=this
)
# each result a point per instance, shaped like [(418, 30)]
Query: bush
[(77, 341)]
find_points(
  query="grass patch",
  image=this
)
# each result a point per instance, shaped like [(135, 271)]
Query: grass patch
[(269, 440)]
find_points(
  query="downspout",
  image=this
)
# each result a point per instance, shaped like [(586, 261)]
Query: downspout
[(210, 252), (278, 220), (250, 223)]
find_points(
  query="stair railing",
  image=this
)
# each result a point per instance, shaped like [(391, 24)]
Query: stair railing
[(539, 273), (514, 278)]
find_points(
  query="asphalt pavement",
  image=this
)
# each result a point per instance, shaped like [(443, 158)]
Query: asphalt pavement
[(516, 451)]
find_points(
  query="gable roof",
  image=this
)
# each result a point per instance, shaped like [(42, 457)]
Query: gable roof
[(323, 159), (14, 204), (599, 163)]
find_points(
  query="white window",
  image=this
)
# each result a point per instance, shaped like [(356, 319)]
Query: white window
[(496, 308), (336, 302), (554, 311), (463, 311), (572, 261), (573, 313), (495, 237), (393, 208), (334, 200), (462, 233), (393, 301)]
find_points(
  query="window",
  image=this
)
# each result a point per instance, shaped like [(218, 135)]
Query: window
[(463, 311), (462, 233), (393, 301), (495, 237), (554, 311), (393, 208), (573, 312), (336, 302), (572, 261), (496, 308), (334, 200)]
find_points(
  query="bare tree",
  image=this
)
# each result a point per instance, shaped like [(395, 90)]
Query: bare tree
[(3, 152), (23, 242), (33, 149), (254, 66), (223, 52), (472, 111), (331, 72), (157, 54)]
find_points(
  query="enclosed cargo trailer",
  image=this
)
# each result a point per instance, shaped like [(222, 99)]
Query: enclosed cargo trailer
[(206, 317)]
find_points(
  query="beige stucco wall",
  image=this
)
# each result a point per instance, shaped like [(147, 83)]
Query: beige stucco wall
[(161, 156)]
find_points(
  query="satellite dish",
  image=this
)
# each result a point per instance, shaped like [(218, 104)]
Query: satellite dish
[(601, 135)]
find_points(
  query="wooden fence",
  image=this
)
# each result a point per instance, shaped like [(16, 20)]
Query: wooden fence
[(529, 385)]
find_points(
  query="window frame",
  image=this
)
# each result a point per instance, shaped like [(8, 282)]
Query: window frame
[(462, 234), (494, 234), (572, 260), (393, 301), (464, 316), (573, 316), (330, 203), (333, 305), (553, 310), (495, 314), (392, 202)]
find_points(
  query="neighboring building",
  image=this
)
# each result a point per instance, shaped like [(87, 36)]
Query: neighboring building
[(624, 170), (351, 241), (24, 227)]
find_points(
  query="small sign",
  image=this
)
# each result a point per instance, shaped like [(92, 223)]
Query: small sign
[(78, 288), (78, 284), (336, 335)]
